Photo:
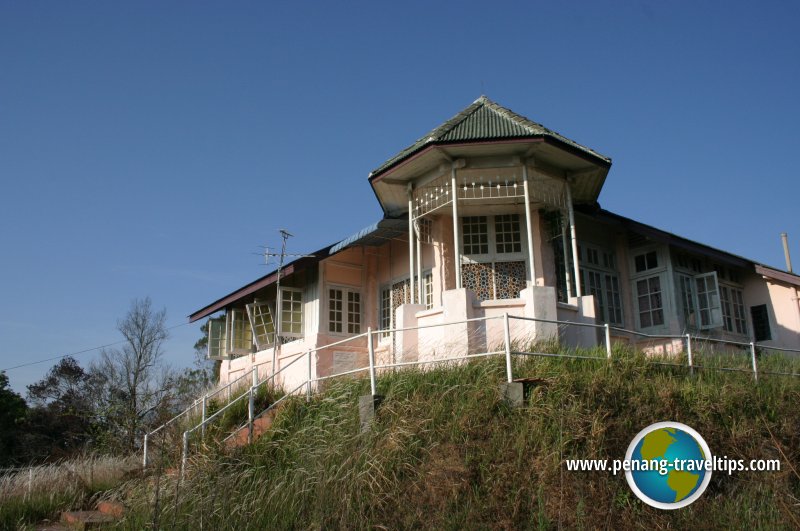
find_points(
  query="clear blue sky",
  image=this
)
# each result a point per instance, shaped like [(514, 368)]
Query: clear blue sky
[(150, 148)]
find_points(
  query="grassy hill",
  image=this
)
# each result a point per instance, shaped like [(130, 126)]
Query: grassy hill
[(446, 452)]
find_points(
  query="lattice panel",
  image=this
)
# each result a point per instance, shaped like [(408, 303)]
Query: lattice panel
[(509, 278), (478, 278)]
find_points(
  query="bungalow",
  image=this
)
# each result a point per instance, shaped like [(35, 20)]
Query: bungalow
[(492, 213)]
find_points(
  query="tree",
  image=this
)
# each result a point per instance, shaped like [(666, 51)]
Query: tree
[(62, 417), (136, 383), (12, 413)]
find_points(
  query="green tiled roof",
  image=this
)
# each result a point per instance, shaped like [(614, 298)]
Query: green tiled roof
[(483, 120)]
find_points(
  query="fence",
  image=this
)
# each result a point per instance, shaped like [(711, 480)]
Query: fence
[(688, 343)]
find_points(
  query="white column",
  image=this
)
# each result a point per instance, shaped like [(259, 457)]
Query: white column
[(575, 265), (528, 222), (420, 283), (456, 236), (411, 241), (568, 277)]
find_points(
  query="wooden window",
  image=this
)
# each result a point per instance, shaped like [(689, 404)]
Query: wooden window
[(343, 318), (475, 231), (424, 230), (335, 310), (291, 312), (651, 305), (708, 302), (733, 318), (353, 312), (386, 310), (217, 339), (240, 333), (646, 261), (262, 323), (428, 289), (508, 238)]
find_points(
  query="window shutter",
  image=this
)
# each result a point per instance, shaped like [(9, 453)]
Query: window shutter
[(262, 324)]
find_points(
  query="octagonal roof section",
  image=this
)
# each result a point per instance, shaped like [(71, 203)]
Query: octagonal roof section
[(486, 129)]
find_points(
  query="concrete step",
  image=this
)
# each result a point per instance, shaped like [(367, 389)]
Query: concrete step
[(111, 508), (86, 519), (260, 426)]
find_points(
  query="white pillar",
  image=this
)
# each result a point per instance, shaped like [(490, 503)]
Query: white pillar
[(411, 242), (420, 283), (528, 223), (567, 275), (456, 236), (574, 238)]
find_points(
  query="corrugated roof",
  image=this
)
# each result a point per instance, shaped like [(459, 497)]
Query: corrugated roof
[(375, 234), (483, 120)]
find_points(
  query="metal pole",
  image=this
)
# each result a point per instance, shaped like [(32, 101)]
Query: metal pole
[(755, 364), (185, 452), (507, 334), (689, 353), (310, 377), (250, 410), (30, 481), (255, 376), (608, 340), (412, 295), (371, 350), (456, 236), (204, 412), (144, 451)]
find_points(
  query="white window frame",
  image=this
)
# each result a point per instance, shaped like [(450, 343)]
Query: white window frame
[(283, 331), (708, 300), (347, 324), (262, 317), (492, 256), (427, 289), (596, 261), (217, 347), (649, 294), (732, 301), (240, 334)]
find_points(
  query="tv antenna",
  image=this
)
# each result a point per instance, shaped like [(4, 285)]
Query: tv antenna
[(285, 235)]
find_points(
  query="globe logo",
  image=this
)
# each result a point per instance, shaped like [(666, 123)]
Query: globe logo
[(668, 465)]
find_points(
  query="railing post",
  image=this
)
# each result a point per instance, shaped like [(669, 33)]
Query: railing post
[(608, 340), (310, 377), (250, 412), (185, 452), (144, 451), (507, 337), (755, 364), (689, 353), (229, 391), (371, 350), (255, 376), (203, 415)]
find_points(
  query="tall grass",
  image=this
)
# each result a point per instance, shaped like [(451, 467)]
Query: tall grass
[(30, 495), (446, 452)]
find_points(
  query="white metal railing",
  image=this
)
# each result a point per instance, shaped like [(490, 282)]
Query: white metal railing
[(310, 380)]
